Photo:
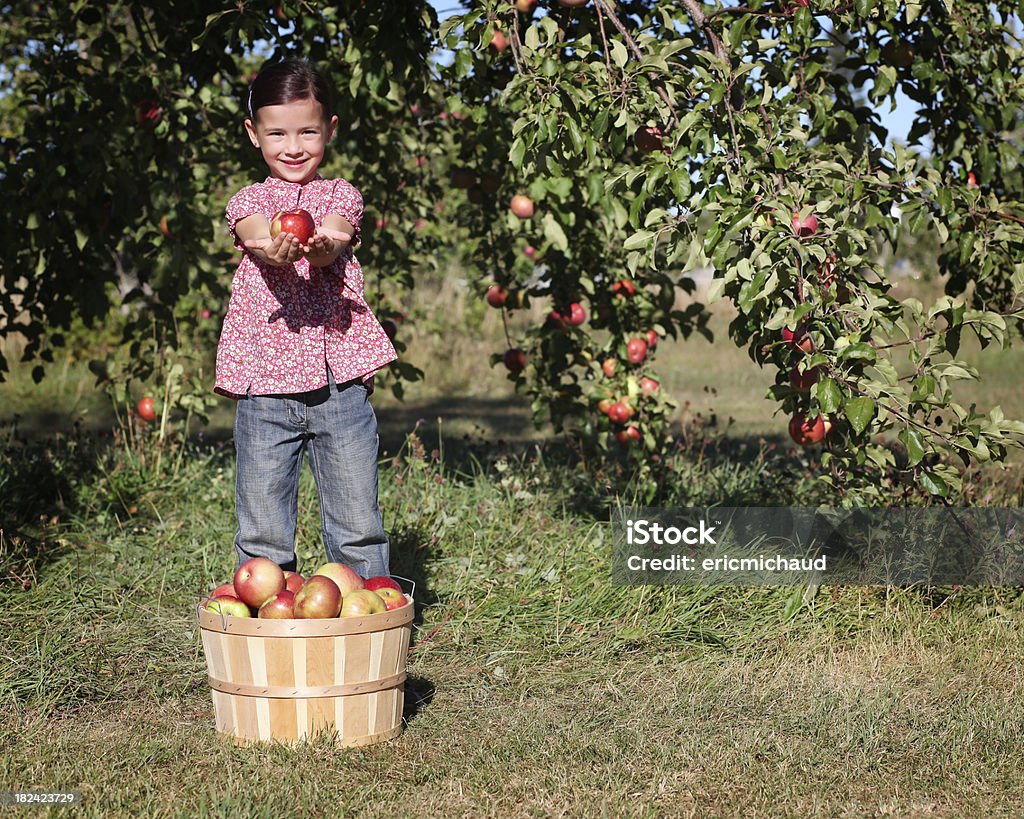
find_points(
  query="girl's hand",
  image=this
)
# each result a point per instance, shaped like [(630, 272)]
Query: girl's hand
[(282, 249), (326, 246)]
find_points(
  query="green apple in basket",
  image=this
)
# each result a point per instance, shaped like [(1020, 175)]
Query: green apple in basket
[(360, 603), (228, 606)]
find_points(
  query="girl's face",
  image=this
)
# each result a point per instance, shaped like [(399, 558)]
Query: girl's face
[(292, 138)]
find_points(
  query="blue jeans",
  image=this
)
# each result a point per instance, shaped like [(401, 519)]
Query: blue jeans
[(338, 427)]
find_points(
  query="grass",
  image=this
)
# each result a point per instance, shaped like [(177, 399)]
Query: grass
[(537, 687)]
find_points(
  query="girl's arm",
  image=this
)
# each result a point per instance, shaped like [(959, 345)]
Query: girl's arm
[(254, 232), (333, 239)]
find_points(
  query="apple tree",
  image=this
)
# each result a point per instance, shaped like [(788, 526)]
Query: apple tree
[(653, 137), (122, 140)]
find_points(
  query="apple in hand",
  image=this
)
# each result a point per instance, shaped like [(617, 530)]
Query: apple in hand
[(346, 579), (298, 222), (318, 598), (257, 580), (360, 603), (230, 606), (279, 607), (392, 599), (381, 582)]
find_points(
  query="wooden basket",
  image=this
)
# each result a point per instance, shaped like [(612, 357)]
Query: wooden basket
[(289, 680)]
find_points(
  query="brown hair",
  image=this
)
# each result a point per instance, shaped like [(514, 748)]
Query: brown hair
[(287, 81)]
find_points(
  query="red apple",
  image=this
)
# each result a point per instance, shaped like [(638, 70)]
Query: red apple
[(230, 606), (522, 206), (499, 42), (293, 581), (529, 251), (577, 315), (652, 339), (361, 603), (381, 223), (392, 599), (279, 607), (636, 350), (972, 180), (628, 435), (608, 366), (805, 226), (605, 405), (648, 386), (346, 579), (803, 381), (798, 339), (808, 431), (258, 579), (298, 222), (525, 6), (381, 582), (419, 224), (620, 412), (148, 114), (224, 590), (146, 408), (497, 295), (623, 289), (318, 598), (514, 360), (648, 139)]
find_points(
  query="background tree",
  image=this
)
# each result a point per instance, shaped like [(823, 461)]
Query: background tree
[(641, 138)]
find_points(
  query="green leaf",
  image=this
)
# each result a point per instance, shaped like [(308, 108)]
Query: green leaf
[(642, 238), (859, 411), (554, 234), (829, 396), (911, 439)]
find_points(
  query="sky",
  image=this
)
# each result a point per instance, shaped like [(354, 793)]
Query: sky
[(897, 122)]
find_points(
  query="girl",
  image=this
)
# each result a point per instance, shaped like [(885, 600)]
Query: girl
[(299, 346)]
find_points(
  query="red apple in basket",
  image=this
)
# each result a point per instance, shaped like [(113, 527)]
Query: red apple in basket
[(293, 581), (230, 606), (279, 607), (318, 598), (362, 602), (381, 582), (346, 579), (299, 223), (224, 590), (257, 580), (392, 599)]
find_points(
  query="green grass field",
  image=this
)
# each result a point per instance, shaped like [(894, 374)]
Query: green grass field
[(537, 686)]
